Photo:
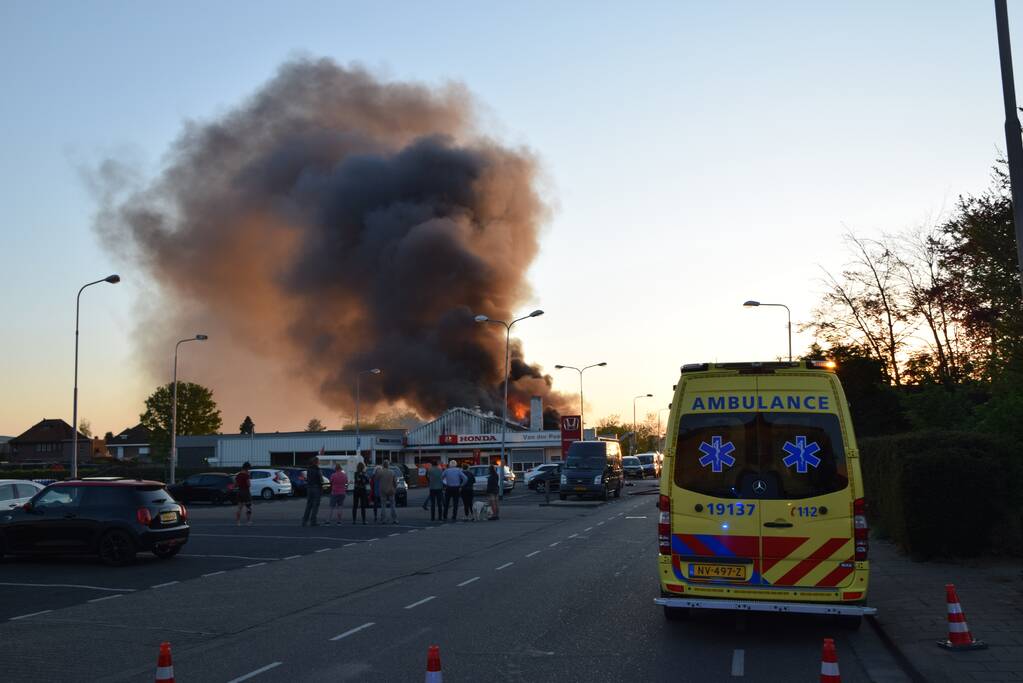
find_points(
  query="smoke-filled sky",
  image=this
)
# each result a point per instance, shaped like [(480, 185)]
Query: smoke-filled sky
[(654, 166), (334, 223)]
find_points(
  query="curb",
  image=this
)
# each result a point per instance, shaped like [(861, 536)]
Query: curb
[(900, 657)]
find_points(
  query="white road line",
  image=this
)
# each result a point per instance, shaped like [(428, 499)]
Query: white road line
[(292, 557), (393, 535), (554, 544), (106, 597), (255, 673), (231, 557), (636, 517), (71, 585), (214, 573), (347, 544), (466, 583), (256, 564), (535, 552), (353, 631), (164, 585), (322, 550), (738, 663), (589, 528), (372, 539), (420, 602), (504, 566), (33, 614), (287, 538), (573, 535), (600, 523), (412, 531)]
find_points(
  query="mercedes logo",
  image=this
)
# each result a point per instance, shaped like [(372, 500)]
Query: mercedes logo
[(760, 486)]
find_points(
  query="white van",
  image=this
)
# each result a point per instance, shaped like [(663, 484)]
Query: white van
[(349, 463)]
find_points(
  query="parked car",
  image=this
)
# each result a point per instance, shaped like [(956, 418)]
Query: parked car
[(481, 474), (212, 487), (633, 467), (401, 486), (16, 492), (269, 483), (651, 463), (550, 477), (298, 475), (592, 468), (531, 474), (115, 519)]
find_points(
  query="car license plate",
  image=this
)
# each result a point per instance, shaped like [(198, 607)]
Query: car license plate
[(580, 488), (728, 572), (168, 517)]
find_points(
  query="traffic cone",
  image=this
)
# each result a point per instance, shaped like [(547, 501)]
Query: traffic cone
[(829, 663), (433, 672), (959, 637), (164, 667)]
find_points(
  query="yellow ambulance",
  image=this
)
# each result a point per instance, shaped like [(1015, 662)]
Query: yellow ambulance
[(761, 500)]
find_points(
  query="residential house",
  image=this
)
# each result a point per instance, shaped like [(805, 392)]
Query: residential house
[(49, 441), (131, 444)]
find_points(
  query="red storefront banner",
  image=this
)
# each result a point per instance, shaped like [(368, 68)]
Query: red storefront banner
[(571, 430)]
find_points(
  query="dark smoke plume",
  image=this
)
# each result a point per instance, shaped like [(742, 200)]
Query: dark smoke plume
[(334, 223)]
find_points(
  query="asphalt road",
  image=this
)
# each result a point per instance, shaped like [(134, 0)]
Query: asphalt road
[(547, 592)]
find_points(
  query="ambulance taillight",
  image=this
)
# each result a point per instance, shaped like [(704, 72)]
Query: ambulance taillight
[(664, 525), (861, 529)]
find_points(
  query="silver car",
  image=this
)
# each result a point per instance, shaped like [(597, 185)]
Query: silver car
[(16, 492), (481, 472)]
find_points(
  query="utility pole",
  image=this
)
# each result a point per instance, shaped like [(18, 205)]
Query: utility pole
[(1013, 142)]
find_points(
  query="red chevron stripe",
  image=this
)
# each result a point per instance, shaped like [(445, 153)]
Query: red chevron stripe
[(836, 576), (777, 548), (693, 542), (806, 566)]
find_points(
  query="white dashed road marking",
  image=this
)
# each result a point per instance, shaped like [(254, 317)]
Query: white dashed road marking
[(292, 557), (353, 631), (738, 662), (164, 585), (71, 585), (323, 550), (554, 544), (420, 602), (257, 564), (33, 614), (535, 552), (589, 528), (504, 566), (637, 517), (573, 535), (213, 573), (230, 557), (255, 673), (347, 544), (466, 583), (106, 597)]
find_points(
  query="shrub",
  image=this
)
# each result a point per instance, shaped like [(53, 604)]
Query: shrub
[(945, 493)]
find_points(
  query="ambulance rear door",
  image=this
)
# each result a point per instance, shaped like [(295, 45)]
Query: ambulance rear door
[(803, 485)]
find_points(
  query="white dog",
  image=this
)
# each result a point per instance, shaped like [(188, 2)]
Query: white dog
[(480, 510)]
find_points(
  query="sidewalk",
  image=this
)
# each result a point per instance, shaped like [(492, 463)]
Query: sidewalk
[(910, 598)]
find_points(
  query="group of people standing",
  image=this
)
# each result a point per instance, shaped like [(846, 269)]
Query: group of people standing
[(448, 487), (381, 482), (452, 484)]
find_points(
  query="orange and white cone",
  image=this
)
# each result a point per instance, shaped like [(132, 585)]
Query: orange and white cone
[(959, 636), (433, 672), (829, 663), (164, 666)]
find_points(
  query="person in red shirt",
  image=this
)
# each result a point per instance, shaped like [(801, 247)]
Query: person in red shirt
[(242, 482), (338, 489)]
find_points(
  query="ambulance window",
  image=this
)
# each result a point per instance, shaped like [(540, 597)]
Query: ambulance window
[(801, 454), (714, 451)]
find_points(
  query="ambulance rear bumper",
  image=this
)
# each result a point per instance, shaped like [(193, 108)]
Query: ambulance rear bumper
[(760, 606)]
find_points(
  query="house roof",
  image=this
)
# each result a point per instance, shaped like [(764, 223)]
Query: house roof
[(460, 421), (48, 431), (137, 435)]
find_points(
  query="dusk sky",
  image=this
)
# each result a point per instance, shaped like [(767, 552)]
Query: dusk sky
[(695, 155)]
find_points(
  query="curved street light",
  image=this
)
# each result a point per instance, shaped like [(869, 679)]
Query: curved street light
[(112, 279), (582, 420), (358, 391), (753, 304), (635, 398), (174, 406), (504, 413)]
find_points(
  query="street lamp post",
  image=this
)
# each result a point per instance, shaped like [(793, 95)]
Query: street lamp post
[(112, 279), (659, 437), (582, 420), (754, 304), (174, 407), (1013, 144), (358, 432), (504, 412), (634, 419)]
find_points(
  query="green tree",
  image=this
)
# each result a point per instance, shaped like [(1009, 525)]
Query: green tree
[(315, 425), (197, 414), (247, 426)]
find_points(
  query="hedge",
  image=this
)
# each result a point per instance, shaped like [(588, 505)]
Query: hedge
[(949, 494)]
